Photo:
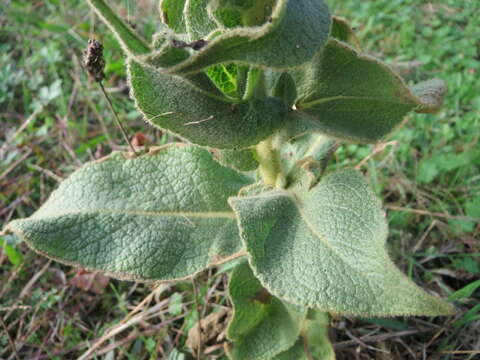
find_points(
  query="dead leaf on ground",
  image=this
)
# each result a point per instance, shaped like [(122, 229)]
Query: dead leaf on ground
[(88, 281), (212, 327)]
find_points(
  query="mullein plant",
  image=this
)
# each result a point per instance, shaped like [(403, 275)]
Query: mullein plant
[(261, 92)]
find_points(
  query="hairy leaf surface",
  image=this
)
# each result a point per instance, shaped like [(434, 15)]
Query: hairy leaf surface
[(131, 43), (294, 32), (171, 13), (174, 104), (325, 248), (291, 35), (262, 325), (306, 155), (296, 352), (230, 79), (342, 31), (242, 160), (352, 96), (161, 216), (315, 332), (198, 20), (314, 341)]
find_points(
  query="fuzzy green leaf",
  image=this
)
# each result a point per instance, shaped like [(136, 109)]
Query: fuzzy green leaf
[(285, 89), (262, 326), (352, 96), (325, 248), (128, 39), (306, 155), (315, 332), (174, 104), (242, 160), (198, 19), (314, 342), (230, 79), (161, 216), (171, 13), (342, 31), (292, 35), (296, 352), (234, 13)]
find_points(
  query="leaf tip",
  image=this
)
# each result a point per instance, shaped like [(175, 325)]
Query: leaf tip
[(430, 95)]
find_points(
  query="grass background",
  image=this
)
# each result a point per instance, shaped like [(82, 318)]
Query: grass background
[(52, 119)]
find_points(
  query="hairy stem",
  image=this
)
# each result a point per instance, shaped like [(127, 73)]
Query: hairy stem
[(270, 167)]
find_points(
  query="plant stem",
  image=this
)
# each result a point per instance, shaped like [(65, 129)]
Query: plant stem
[(270, 167), (117, 120)]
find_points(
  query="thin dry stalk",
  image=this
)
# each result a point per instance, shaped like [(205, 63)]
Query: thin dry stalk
[(199, 315), (29, 286), (377, 338), (15, 164), (10, 340), (144, 315), (48, 173), (378, 149), (433, 214), (20, 129)]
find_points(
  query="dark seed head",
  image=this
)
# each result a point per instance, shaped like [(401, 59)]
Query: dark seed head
[(93, 60)]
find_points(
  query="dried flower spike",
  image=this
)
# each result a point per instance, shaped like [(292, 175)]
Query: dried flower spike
[(93, 60)]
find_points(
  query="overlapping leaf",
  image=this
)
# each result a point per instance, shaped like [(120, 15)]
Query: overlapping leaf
[(341, 30), (315, 333), (171, 12), (173, 103), (161, 216), (314, 341), (242, 160), (262, 326), (131, 43), (306, 155), (291, 35), (294, 32), (234, 13), (296, 352), (325, 248), (198, 20), (351, 95)]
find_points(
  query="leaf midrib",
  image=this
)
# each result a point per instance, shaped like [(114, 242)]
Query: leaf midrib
[(293, 198), (310, 227), (319, 236), (183, 214), (342, 97)]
